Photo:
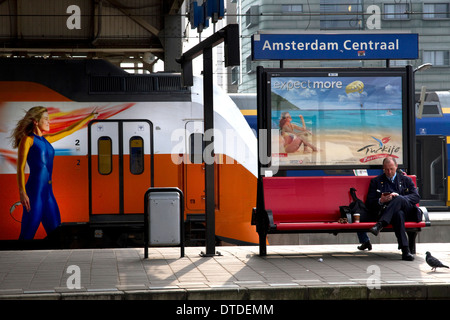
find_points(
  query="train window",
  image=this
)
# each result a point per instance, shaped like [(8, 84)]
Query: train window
[(136, 155), (431, 109), (197, 145), (104, 155)]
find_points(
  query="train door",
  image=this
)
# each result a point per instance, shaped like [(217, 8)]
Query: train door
[(121, 168), (431, 169), (194, 167)]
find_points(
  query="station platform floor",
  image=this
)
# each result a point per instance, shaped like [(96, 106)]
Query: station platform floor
[(288, 272)]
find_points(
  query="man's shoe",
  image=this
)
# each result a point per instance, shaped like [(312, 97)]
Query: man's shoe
[(376, 228), (406, 255), (366, 245)]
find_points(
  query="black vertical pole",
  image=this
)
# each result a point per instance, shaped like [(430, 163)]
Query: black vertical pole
[(261, 224), (229, 34), (411, 116), (208, 125)]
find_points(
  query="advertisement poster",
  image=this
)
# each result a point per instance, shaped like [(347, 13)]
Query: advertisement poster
[(336, 120)]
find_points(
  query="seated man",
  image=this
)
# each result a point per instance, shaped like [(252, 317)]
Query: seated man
[(394, 196)]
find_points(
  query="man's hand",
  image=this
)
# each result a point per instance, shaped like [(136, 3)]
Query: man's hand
[(387, 196)]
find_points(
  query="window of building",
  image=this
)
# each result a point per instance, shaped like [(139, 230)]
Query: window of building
[(248, 64), (291, 8), (399, 63), (436, 57), (104, 155), (346, 15), (136, 155), (234, 75), (252, 16), (396, 11), (435, 11)]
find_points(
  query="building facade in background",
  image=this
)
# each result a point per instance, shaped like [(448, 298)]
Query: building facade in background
[(430, 19)]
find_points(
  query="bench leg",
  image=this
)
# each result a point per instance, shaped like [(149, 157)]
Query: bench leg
[(412, 241), (262, 244)]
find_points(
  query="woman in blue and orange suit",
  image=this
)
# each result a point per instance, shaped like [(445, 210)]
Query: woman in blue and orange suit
[(34, 148)]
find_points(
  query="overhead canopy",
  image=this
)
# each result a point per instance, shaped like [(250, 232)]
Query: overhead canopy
[(109, 29)]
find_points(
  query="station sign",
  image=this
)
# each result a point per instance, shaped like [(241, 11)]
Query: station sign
[(361, 46)]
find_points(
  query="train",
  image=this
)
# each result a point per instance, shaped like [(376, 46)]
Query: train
[(148, 132), (432, 127), (433, 149)]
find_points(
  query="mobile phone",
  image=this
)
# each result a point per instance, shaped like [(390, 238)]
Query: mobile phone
[(386, 193)]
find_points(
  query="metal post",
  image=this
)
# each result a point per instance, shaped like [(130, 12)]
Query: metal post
[(229, 34), (208, 116), (411, 114)]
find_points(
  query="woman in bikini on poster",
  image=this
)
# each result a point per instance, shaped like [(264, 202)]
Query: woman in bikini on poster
[(294, 135)]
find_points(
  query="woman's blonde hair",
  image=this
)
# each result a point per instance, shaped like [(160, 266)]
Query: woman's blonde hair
[(25, 126)]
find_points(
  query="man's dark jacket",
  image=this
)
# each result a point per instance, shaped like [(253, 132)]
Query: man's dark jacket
[(403, 185)]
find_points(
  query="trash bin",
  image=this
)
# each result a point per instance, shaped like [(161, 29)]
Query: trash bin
[(164, 218)]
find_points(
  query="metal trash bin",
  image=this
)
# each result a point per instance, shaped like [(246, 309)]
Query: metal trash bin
[(164, 218)]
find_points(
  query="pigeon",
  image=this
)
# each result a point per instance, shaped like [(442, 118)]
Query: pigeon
[(433, 262)]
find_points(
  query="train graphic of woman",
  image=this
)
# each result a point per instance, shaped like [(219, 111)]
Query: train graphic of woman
[(34, 148)]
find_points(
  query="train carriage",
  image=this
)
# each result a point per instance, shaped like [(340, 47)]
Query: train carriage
[(148, 132), (433, 158)]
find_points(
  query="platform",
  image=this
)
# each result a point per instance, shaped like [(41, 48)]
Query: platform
[(308, 272)]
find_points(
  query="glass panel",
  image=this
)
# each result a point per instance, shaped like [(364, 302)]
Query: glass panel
[(398, 11), (435, 11), (104, 155), (136, 155), (197, 145), (343, 15), (289, 8)]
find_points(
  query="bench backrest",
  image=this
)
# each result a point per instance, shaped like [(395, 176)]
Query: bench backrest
[(311, 199)]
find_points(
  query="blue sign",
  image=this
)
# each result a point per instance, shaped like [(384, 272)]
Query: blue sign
[(199, 15), (267, 46)]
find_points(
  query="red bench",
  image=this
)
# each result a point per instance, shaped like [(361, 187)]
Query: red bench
[(311, 205)]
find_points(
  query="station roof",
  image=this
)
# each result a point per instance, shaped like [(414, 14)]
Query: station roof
[(108, 29)]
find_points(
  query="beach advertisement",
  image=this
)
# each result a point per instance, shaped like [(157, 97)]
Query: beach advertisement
[(336, 120)]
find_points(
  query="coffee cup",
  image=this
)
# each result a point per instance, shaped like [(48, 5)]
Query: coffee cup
[(356, 217)]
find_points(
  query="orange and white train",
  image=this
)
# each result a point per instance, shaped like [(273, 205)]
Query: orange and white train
[(148, 133)]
